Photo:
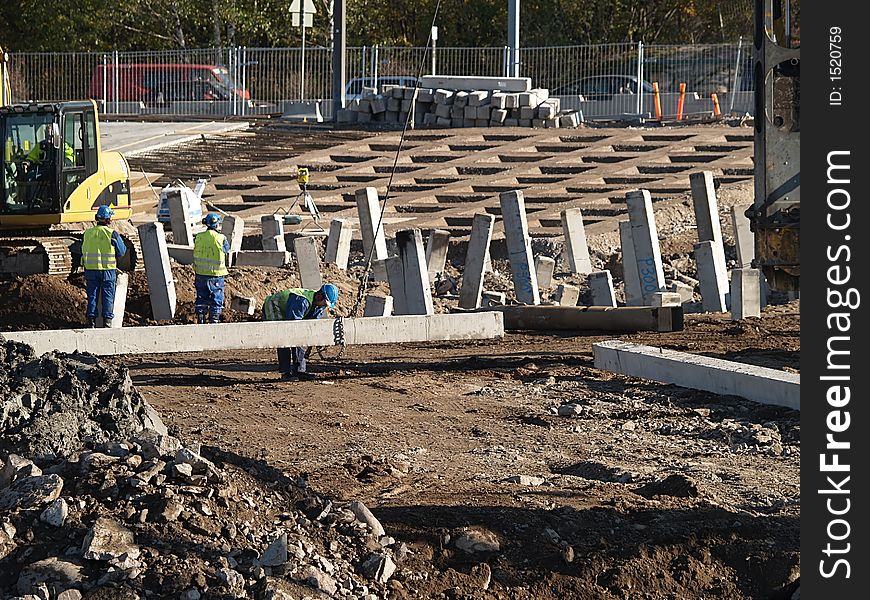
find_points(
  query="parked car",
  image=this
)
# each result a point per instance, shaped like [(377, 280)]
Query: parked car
[(602, 87), (353, 90), (163, 83)]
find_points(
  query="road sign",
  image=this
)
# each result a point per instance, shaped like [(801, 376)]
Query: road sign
[(309, 19), (308, 6)]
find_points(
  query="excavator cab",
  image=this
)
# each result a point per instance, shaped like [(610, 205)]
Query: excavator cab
[(53, 177), (51, 168)]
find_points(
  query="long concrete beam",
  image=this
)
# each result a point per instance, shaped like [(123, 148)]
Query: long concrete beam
[(271, 334), (602, 318), (768, 386)]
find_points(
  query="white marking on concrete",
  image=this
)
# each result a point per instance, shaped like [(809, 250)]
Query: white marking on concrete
[(760, 384)]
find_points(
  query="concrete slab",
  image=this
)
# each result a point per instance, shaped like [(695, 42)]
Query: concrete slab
[(180, 254), (243, 304), (745, 293), (273, 233), (712, 275), (744, 239), (644, 236), (760, 384), (418, 292), (667, 299), (706, 208), (338, 243), (566, 295), (233, 228), (370, 224), (122, 283), (601, 285), (272, 334), (436, 252), (544, 269), (631, 276)]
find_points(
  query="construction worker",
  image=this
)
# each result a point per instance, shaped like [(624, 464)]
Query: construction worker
[(210, 250), (101, 247), (294, 304), (42, 152)]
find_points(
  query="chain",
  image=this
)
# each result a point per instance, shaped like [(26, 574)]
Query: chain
[(338, 335)]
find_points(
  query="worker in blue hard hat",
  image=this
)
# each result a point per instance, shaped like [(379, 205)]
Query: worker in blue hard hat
[(294, 304), (210, 250), (101, 247)]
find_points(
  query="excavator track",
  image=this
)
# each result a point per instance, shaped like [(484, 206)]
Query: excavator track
[(56, 252), (22, 254)]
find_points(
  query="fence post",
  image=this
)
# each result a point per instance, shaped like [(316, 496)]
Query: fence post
[(736, 71), (115, 83), (375, 68), (242, 99), (364, 56), (105, 107), (639, 106)]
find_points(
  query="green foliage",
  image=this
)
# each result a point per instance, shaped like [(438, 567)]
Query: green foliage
[(104, 25)]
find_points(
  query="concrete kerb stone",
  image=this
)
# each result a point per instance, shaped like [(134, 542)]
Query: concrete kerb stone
[(601, 286), (706, 208), (566, 295), (307, 250), (713, 278), (516, 227), (436, 252), (338, 243), (233, 228), (760, 384), (418, 292), (244, 304), (744, 239), (158, 270), (745, 293), (273, 233), (475, 261), (631, 277), (182, 230), (183, 255), (544, 269), (576, 247), (260, 258), (644, 236), (122, 283), (255, 335), (372, 230)]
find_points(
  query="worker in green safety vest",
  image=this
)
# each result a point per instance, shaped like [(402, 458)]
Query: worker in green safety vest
[(101, 247), (210, 250), (294, 304)]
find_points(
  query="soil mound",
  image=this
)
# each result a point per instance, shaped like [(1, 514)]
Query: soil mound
[(55, 404)]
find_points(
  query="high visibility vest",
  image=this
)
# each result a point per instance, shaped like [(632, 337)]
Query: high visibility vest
[(98, 253), (37, 155), (208, 254), (275, 306)]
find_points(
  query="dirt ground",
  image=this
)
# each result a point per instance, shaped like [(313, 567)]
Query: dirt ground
[(577, 483)]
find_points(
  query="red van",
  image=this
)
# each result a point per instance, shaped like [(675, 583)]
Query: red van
[(160, 83)]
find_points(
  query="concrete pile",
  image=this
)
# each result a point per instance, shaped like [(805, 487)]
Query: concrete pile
[(94, 505), (460, 108)]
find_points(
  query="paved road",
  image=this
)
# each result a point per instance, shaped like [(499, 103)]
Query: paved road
[(135, 137)]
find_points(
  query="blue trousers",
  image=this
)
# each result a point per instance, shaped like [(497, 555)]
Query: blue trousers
[(100, 285), (292, 360), (209, 295)]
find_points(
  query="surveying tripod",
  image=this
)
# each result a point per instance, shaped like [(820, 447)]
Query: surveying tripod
[(303, 195)]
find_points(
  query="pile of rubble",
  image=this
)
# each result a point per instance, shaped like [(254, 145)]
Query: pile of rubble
[(459, 108), (97, 500)]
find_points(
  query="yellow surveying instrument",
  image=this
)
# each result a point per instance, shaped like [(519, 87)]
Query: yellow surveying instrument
[(302, 178)]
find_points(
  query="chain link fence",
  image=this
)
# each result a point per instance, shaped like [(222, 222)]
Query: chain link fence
[(241, 81)]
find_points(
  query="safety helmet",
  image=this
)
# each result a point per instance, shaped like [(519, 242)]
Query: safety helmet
[(212, 220), (330, 292), (104, 213)]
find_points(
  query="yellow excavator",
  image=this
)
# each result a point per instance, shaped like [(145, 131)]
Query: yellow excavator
[(53, 177)]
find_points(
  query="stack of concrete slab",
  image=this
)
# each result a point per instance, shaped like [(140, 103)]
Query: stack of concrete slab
[(452, 107)]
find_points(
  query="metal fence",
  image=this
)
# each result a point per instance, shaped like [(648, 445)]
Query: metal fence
[(242, 81)]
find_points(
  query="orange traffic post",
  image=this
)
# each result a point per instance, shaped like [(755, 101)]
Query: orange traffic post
[(658, 100), (716, 112), (680, 102)]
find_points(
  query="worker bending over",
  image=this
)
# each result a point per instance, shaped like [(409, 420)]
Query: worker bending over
[(101, 247), (292, 305), (210, 250)]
